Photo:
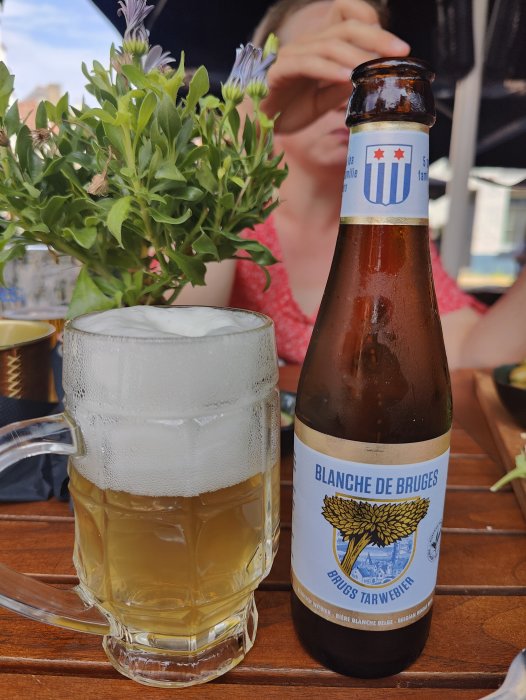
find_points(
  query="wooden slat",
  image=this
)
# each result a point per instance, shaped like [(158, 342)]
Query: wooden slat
[(468, 413), (472, 559), (462, 443), (42, 508), (50, 687), (473, 471), (472, 640), (468, 556), (37, 546), (483, 510)]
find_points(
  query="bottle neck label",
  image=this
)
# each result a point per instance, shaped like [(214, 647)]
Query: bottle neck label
[(387, 175), (366, 528)]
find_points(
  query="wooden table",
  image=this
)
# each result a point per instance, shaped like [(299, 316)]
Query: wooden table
[(479, 621)]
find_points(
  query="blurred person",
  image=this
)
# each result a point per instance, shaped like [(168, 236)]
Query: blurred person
[(321, 41)]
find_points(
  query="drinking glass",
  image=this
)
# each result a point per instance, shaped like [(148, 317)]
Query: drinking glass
[(174, 477)]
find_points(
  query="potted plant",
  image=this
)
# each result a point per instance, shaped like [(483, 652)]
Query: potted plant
[(150, 184)]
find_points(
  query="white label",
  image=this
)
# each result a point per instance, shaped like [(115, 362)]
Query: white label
[(387, 174), (366, 538)]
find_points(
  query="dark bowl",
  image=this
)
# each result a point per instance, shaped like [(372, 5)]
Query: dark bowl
[(288, 406), (513, 397)]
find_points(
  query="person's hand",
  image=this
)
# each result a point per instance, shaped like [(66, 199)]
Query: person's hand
[(311, 73)]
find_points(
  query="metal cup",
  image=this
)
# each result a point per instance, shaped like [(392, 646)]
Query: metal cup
[(25, 359)]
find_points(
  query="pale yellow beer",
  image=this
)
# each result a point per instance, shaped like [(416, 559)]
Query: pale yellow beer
[(172, 565), (176, 487)]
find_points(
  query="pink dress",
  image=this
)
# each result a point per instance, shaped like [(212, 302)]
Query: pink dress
[(293, 327)]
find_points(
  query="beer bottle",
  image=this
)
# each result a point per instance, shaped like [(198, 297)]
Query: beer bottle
[(373, 413)]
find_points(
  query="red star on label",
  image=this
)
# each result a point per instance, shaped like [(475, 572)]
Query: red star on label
[(398, 153), (378, 154)]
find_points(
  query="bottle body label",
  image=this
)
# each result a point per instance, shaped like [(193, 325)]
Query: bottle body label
[(387, 174), (366, 528)]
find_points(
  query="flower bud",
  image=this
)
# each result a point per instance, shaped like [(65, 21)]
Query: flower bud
[(136, 42), (257, 89), (4, 138), (271, 46), (232, 91)]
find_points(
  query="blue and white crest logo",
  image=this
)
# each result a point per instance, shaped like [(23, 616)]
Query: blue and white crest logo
[(387, 173)]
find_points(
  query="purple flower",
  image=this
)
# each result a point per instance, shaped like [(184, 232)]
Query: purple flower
[(134, 11), (250, 67), (156, 58), (135, 41)]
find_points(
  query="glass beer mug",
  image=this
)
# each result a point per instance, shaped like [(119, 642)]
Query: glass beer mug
[(174, 475)]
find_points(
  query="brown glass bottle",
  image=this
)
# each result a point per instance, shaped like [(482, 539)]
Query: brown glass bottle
[(374, 382)]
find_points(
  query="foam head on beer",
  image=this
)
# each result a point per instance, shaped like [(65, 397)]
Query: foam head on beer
[(159, 322), (170, 400)]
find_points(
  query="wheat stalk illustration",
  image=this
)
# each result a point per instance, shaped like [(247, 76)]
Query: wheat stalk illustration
[(361, 523)]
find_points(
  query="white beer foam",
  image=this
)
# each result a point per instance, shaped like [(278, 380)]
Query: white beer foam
[(179, 458), (177, 417), (159, 322)]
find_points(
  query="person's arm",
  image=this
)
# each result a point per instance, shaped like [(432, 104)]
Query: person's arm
[(495, 337), (218, 288), (311, 73)]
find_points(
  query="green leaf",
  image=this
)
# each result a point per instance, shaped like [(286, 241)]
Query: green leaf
[(115, 137), (7, 82), (145, 156), (117, 215), (176, 79), (85, 237), (8, 233), (199, 86), (264, 121), (54, 166), (52, 209), (234, 121), (162, 218), (39, 227), (210, 102), (62, 107), (168, 118), (51, 112), (206, 178), (41, 116), (146, 110), (227, 201), (88, 297), (194, 155), (101, 114), (12, 252), (32, 190), (136, 76), (24, 149), (190, 194), (170, 172), (193, 268), (258, 252), (12, 119), (127, 172), (204, 245), (184, 137), (249, 135)]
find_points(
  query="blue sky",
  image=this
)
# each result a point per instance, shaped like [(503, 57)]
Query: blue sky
[(47, 40)]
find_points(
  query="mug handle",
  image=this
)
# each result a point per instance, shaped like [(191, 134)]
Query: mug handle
[(55, 434)]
